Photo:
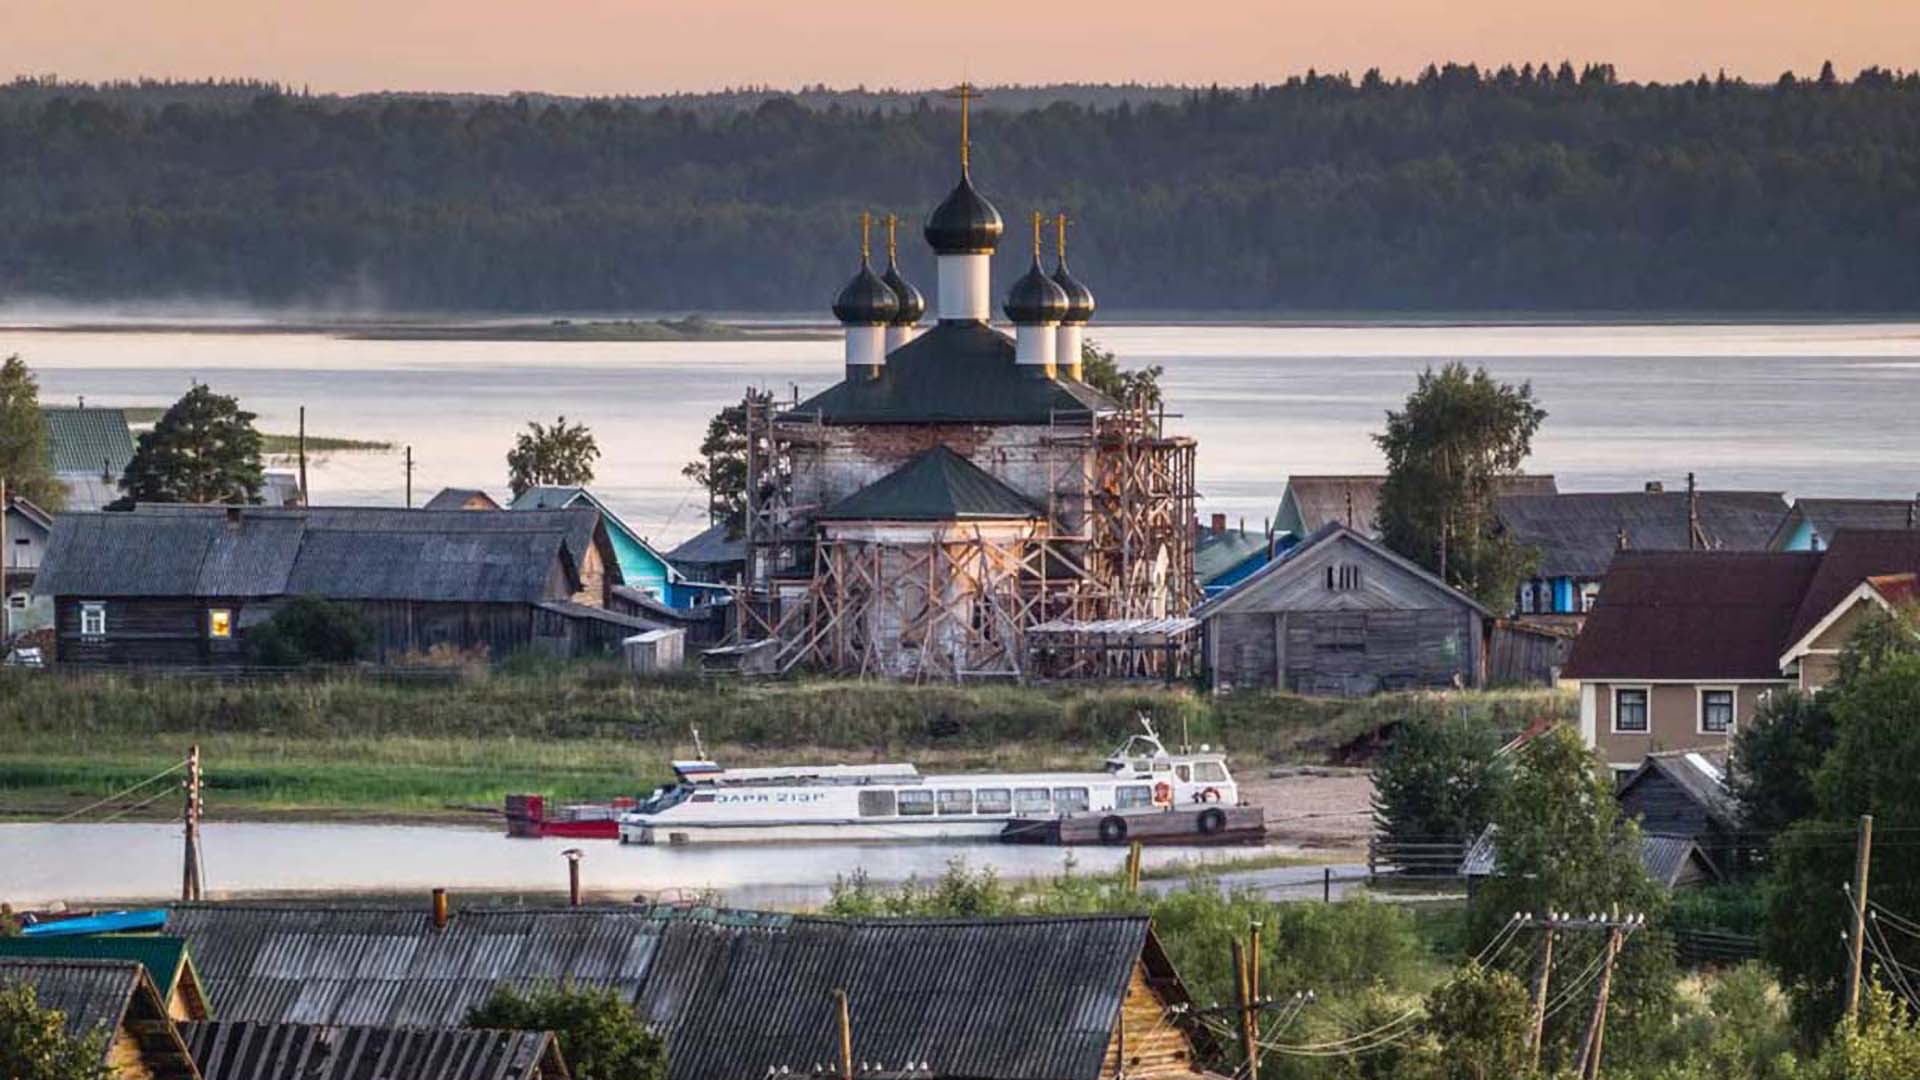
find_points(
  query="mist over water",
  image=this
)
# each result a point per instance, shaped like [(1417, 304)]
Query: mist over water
[(1826, 409)]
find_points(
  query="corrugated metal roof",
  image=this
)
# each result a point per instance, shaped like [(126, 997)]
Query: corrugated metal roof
[(269, 1051), (163, 956), (1663, 857), (935, 485), (343, 553), (90, 441), (956, 372), (1577, 534), (1318, 501), (1829, 516), (1218, 552), (90, 993), (716, 544), (1000, 999)]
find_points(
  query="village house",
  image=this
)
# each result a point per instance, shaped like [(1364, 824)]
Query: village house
[(1812, 523), (90, 449), (1683, 793), (1223, 557), (185, 585), (733, 993), (715, 555), (1070, 510), (1683, 646), (114, 999), (26, 531), (164, 957), (1310, 503), (1341, 615), (461, 499), (1576, 534)]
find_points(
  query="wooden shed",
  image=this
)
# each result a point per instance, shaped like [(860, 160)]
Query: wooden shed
[(1341, 615), (113, 999)]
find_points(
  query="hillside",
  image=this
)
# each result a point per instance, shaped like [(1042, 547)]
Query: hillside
[(1462, 190)]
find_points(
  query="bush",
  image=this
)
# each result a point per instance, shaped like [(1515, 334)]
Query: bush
[(1441, 779), (599, 1035), (34, 1044), (310, 630)]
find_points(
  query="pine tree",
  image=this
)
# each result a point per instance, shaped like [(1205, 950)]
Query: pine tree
[(203, 450)]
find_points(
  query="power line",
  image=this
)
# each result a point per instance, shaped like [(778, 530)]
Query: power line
[(161, 775), (136, 808)]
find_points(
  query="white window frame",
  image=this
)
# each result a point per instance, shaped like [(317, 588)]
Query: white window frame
[(1585, 596), (1700, 709), (93, 618), (1613, 708)]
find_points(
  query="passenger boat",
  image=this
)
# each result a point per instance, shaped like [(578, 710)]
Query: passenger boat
[(708, 803)]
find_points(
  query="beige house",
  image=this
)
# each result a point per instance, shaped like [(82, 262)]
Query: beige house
[(1684, 646)]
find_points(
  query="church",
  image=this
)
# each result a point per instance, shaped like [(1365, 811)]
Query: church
[(963, 503)]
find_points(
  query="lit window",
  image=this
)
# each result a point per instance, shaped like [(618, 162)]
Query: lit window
[(93, 620), (220, 623), (1630, 710), (1716, 711)]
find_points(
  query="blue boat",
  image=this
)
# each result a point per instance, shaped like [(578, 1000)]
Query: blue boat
[(107, 922)]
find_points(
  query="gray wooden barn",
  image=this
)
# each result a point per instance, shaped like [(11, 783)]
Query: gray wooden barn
[(1341, 615)]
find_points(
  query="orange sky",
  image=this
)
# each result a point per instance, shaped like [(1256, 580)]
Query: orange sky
[(647, 46)]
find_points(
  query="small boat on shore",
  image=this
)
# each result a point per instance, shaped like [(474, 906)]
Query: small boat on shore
[(530, 816), (711, 804)]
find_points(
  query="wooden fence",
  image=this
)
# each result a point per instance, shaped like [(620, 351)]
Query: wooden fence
[(1438, 857), (1713, 948)]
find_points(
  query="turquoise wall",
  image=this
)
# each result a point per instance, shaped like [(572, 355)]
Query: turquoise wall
[(1802, 538), (641, 568)]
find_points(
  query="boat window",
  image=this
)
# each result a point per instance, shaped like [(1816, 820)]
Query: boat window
[(956, 802), (916, 803), (1184, 773), (993, 800), (705, 796), (876, 804), (1161, 766), (1209, 772), (1032, 800), (1132, 796), (1070, 800)]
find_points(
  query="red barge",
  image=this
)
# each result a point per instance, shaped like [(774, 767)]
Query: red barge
[(530, 816)]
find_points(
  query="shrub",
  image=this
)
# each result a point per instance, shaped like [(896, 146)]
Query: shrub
[(599, 1035), (310, 630)]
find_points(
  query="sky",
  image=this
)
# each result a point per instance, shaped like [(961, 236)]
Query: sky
[(602, 47)]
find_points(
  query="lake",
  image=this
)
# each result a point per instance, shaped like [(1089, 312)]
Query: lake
[(1822, 409)]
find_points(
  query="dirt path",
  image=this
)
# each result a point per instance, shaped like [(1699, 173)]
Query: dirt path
[(1315, 808)]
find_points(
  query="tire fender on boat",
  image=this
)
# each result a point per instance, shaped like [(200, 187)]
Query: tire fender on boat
[(1113, 830)]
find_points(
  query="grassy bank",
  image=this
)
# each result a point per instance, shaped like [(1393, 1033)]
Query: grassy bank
[(345, 744)]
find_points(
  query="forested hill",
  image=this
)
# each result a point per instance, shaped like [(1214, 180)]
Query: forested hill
[(1538, 189)]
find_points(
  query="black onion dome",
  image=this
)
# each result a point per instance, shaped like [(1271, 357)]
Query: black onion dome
[(867, 300), (965, 223), (1079, 297), (1036, 299), (912, 304)]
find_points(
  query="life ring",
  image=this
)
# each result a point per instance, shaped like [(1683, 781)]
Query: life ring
[(1211, 794), (1163, 794)]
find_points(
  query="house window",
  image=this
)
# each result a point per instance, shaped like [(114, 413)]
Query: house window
[(1526, 598), (93, 620), (1716, 712), (1630, 710), (220, 622), (1343, 577), (1589, 593), (18, 601)]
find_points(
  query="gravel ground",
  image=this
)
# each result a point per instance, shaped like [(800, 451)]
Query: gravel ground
[(1314, 808)]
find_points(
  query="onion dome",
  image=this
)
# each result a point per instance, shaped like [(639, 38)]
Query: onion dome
[(867, 300), (1035, 299), (912, 304), (965, 223), (1079, 297)]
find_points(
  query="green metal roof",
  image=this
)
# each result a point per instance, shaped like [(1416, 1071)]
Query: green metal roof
[(1219, 552), (88, 440), (957, 372), (936, 485), (164, 956)]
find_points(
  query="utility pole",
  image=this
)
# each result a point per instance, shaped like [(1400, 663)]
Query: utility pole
[(1862, 857), (1248, 1010), (6, 560), (304, 500), (409, 476), (1589, 1062), (190, 864), (846, 1034), (1542, 969)]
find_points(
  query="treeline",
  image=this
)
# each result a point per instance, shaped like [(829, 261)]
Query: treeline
[(1536, 188)]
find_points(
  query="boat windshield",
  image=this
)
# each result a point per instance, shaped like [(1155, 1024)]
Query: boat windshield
[(665, 798)]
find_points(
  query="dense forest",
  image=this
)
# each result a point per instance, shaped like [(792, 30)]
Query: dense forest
[(1536, 188)]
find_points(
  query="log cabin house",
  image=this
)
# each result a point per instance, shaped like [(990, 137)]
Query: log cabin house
[(164, 957), (185, 585), (111, 999)]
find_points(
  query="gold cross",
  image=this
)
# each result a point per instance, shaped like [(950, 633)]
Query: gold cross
[(866, 226), (1060, 235), (966, 92), (892, 220)]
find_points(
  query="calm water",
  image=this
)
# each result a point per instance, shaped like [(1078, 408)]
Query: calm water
[(125, 862), (1808, 409)]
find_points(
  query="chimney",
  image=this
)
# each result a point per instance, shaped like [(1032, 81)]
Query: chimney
[(1219, 524), (440, 914), (1696, 538), (1655, 487), (233, 516)]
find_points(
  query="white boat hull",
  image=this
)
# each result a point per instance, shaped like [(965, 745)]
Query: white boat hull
[(810, 831)]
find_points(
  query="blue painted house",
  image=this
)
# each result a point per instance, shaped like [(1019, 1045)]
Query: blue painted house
[(642, 567), (1224, 557), (1812, 523)]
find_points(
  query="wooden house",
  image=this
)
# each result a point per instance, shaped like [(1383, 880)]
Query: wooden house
[(734, 993), (111, 999), (642, 567), (1673, 861), (26, 532), (1813, 523), (248, 1050), (1575, 535), (164, 957), (461, 499), (1683, 646), (186, 585), (1310, 503), (1223, 557), (716, 555), (90, 448), (1684, 794), (1341, 615)]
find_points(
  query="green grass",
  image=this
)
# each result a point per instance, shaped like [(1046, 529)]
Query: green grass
[(346, 744), (317, 444)]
